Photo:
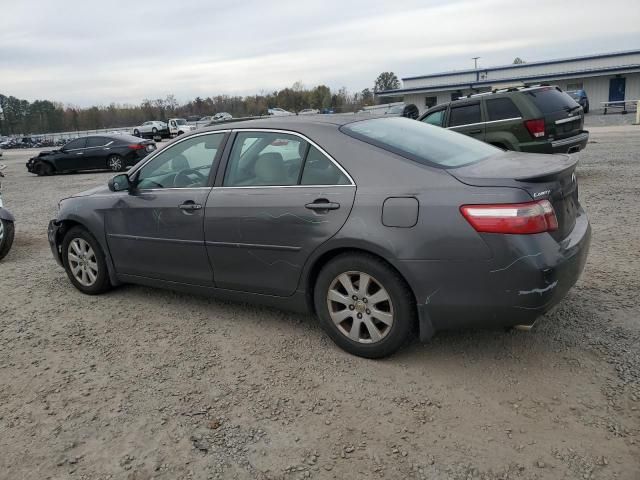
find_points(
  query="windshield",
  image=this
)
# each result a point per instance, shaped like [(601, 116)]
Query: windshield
[(181, 121), (418, 141)]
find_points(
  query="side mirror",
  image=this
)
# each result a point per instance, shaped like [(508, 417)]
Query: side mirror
[(119, 183)]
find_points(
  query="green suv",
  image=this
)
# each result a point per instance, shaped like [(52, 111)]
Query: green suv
[(540, 119)]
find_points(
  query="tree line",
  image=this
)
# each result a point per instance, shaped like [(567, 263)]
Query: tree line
[(43, 116)]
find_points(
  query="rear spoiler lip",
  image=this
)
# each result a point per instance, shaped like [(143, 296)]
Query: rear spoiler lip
[(544, 177), (502, 171)]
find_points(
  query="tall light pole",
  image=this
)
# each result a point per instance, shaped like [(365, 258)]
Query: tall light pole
[(475, 62)]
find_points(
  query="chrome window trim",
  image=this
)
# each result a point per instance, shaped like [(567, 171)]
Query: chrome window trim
[(158, 151), (486, 123), (142, 190), (306, 139), (281, 186)]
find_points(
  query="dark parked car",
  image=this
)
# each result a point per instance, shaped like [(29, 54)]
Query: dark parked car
[(541, 119), (96, 152), (380, 226), (580, 96)]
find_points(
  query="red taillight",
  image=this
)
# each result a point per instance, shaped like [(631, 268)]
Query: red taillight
[(136, 146), (514, 218), (535, 127)]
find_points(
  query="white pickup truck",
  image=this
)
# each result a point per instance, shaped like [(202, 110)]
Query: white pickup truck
[(179, 126)]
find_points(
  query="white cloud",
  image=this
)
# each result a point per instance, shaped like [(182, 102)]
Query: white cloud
[(125, 51)]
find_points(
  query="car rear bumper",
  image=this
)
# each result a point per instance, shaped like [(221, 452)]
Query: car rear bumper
[(565, 145), (528, 275)]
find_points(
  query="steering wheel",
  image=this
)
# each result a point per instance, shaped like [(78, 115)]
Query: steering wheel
[(184, 175)]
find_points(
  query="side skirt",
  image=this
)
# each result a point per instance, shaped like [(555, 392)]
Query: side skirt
[(295, 303)]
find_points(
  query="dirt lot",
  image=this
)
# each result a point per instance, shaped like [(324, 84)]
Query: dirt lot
[(144, 383)]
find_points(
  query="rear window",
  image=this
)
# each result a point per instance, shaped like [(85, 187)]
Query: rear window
[(501, 109), (420, 142), (550, 100)]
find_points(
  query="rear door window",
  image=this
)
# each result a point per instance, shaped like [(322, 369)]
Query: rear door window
[(319, 170), (465, 115), (501, 109), (265, 159), (550, 100)]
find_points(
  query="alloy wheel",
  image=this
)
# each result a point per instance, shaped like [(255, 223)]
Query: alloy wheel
[(360, 307), (115, 163), (82, 262), (1, 232)]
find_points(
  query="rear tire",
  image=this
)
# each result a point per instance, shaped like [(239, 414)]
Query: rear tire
[(371, 319), (84, 262), (44, 169), (7, 232)]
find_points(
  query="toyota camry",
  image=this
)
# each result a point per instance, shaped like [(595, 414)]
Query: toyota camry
[(381, 227)]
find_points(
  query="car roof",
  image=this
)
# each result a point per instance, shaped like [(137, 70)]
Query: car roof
[(292, 122)]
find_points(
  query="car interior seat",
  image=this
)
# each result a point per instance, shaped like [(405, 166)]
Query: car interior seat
[(269, 169)]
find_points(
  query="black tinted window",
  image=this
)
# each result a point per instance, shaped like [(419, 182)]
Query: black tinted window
[(420, 142), (465, 114), (77, 143), (501, 108), (550, 99), (97, 141)]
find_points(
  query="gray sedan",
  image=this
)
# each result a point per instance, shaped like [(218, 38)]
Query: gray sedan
[(381, 227)]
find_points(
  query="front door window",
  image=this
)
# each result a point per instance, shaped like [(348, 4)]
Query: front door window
[(186, 164)]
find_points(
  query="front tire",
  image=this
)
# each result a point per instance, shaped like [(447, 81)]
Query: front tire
[(115, 163), (84, 262), (364, 305), (7, 232), (44, 169), (136, 133)]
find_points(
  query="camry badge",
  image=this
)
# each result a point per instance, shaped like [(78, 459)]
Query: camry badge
[(540, 194)]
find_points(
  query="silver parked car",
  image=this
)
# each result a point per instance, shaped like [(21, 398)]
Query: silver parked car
[(380, 226)]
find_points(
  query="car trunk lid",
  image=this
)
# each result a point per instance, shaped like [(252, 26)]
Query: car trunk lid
[(549, 177)]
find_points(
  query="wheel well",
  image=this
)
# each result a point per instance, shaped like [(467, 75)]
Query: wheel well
[(66, 225), (40, 160), (330, 255), (500, 145)]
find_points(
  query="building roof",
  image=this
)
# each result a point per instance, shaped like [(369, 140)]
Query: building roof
[(574, 67), (515, 66)]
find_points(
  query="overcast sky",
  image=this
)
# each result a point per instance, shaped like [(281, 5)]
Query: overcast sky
[(87, 52)]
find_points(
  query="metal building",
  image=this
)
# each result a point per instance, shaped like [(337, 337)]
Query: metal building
[(609, 77)]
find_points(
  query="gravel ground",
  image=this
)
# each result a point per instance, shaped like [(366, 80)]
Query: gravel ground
[(143, 383)]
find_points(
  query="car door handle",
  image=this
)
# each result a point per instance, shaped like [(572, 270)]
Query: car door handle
[(79, 153), (475, 131), (190, 206), (322, 204)]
